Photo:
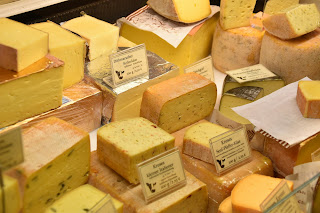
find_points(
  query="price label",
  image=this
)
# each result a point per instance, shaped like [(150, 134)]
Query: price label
[(104, 205), (315, 156), (202, 67)]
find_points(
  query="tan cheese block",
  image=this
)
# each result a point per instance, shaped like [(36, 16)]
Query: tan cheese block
[(32, 91), (12, 197), (225, 206), (67, 47), (191, 198), (251, 191), (308, 98), (178, 102), (276, 6), (292, 59), (123, 144), (20, 45), (56, 160), (186, 11)]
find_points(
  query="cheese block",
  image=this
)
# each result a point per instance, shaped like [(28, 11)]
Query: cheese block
[(196, 140), (236, 48), (67, 47), (225, 206), (308, 98), (237, 97), (276, 6), (195, 46), (293, 22), (81, 199), (123, 144), (123, 42), (292, 59), (191, 198), (12, 196), (32, 91), (186, 11), (102, 37), (251, 191), (236, 14), (56, 160), (20, 45), (317, 2), (178, 102)]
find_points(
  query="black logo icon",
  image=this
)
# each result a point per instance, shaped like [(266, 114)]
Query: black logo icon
[(242, 78), (151, 187), (221, 163), (119, 74)]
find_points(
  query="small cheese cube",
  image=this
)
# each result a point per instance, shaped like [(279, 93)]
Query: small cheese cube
[(56, 161), (20, 45), (308, 98), (225, 206), (178, 102), (123, 144), (12, 195), (276, 6), (187, 11)]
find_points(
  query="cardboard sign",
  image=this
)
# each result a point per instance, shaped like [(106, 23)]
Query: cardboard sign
[(105, 205), (202, 67)]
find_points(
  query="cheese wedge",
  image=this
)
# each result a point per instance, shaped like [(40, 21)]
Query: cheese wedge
[(123, 42), (30, 92), (225, 206), (186, 11), (191, 198), (308, 98), (191, 98), (102, 37), (20, 45), (277, 6), (56, 160), (12, 195), (123, 144), (67, 47)]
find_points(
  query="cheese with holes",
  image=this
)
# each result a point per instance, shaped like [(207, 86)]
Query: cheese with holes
[(67, 47), (102, 37), (32, 91), (81, 199), (317, 2), (186, 11), (275, 6), (308, 98), (12, 196), (196, 140), (123, 144), (56, 160), (20, 45), (191, 198), (191, 98), (251, 191), (236, 14), (225, 206), (292, 59), (293, 22)]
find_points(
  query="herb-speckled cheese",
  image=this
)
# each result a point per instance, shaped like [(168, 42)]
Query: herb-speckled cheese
[(276, 6), (308, 98), (12, 195)]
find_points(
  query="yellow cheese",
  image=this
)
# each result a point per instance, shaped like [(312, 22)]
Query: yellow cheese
[(81, 199), (225, 206), (123, 42), (292, 59), (191, 198), (187, 11), (56, 160), (123, 144), (12, 196), (196, 140), (308, 98), (195, 46), (30, 92), (235, 14), (276, 6), (101, 36), (178, 102), (317, 2), (293, 22), (20, 45), (67, 47)]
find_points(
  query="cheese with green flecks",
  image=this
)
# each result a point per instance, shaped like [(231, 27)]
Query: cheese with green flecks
[(12, 195), (57, 156), (276, 6), (308, 98)]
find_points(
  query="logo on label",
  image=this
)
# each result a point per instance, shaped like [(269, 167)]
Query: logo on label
[(242, 78), (221, 162), (120, 74), (151, 187)]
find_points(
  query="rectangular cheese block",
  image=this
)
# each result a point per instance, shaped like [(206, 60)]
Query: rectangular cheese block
[(102, 37), (123, 144), (178, 102), (67, 47), (81, 199), (56, 160), (12, 197), (276, 6), (32, 91), (195, 46), (308, 98), (20, 45), (191, 198)]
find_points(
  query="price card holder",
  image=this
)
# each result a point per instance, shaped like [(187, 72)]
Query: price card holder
[(315, 156), (230, 149), (202, 67), (161, 175), (105, 205)]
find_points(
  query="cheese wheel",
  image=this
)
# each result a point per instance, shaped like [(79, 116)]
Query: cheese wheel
[(225, 206)]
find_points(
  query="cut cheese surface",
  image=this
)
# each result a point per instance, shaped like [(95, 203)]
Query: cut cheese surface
[(225, 206), (308, 98), (276, 6), (56, 161), (191, 98), (123, 42), (187, 11), (12, 195), (101, 36), (67, 47), (123, 144), (20, 45)]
